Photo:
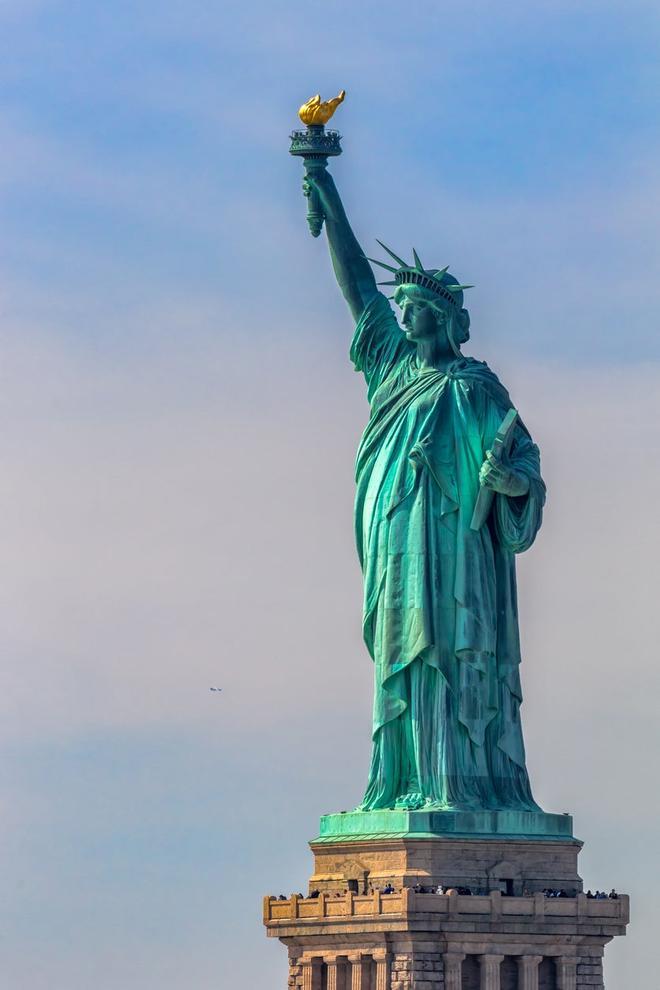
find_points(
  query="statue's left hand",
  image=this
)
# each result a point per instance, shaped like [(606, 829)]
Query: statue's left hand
[(498, 475)]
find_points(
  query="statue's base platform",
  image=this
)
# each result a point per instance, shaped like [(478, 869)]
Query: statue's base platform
[(487, 850), (364, 825)]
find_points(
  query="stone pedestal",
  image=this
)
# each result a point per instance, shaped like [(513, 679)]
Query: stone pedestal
[(504, 935)]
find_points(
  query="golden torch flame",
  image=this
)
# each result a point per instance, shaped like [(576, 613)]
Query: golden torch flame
[(315, 112)]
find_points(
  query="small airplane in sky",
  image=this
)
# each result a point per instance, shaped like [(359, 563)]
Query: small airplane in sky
[(215, 689)]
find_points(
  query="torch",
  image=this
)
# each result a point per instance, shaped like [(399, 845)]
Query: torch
[(315, 145)]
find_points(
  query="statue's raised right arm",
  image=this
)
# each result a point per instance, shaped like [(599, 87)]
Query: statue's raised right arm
[(353, 271)]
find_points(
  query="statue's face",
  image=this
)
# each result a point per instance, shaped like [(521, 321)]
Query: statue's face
[(422, 322)]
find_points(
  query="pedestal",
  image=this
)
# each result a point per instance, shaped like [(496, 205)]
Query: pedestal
[(506, 934)]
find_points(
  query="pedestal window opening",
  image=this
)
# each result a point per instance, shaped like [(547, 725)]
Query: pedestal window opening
[(471, 974), (547, 974), (509, 973)]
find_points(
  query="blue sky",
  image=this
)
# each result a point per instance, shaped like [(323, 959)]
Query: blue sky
[(150, 144), (180, 421)]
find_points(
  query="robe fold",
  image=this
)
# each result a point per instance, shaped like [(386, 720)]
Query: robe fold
[(440, 615)]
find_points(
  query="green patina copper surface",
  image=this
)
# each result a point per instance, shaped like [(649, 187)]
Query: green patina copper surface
[(440, 615), (359, 825)]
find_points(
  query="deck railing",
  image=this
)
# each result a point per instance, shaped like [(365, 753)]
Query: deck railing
[(533, 907)]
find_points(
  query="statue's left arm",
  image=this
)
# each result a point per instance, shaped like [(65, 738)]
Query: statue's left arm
[(518, 517), (519, 490)]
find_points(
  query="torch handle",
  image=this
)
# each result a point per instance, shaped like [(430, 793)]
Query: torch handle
[(315, 214)]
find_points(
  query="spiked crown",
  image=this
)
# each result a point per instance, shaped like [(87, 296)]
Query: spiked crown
[(437, 280)]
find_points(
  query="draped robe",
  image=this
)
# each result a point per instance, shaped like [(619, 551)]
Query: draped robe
[(440, 613)]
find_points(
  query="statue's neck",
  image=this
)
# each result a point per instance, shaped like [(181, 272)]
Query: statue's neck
[(434, 354)]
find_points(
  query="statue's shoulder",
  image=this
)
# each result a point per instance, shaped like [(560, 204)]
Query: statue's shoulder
[(377, 308), (484, 379), (477, 374), (469, 367)]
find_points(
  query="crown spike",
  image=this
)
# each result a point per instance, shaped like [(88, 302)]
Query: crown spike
[(374, 261), (387, 283), (458, 288), (440, 272), (396, 257), (418, 265)]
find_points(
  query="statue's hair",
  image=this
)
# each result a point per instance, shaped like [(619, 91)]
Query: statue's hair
[(459, 319)]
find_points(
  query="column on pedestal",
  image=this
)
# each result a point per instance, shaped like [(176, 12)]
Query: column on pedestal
[(311, 969), (566, 973), (338, 972), (307, 974), (528, 972), (382, 960), (453, 962), (359, 972), (331, 970), (490, 972)]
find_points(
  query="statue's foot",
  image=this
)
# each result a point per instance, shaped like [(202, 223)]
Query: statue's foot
[(409, 802)]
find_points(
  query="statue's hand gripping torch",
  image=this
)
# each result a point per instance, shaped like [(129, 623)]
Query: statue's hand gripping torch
[(315, 145)]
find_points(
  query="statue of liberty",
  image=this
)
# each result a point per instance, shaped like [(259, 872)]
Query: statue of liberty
[(440, 614)]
